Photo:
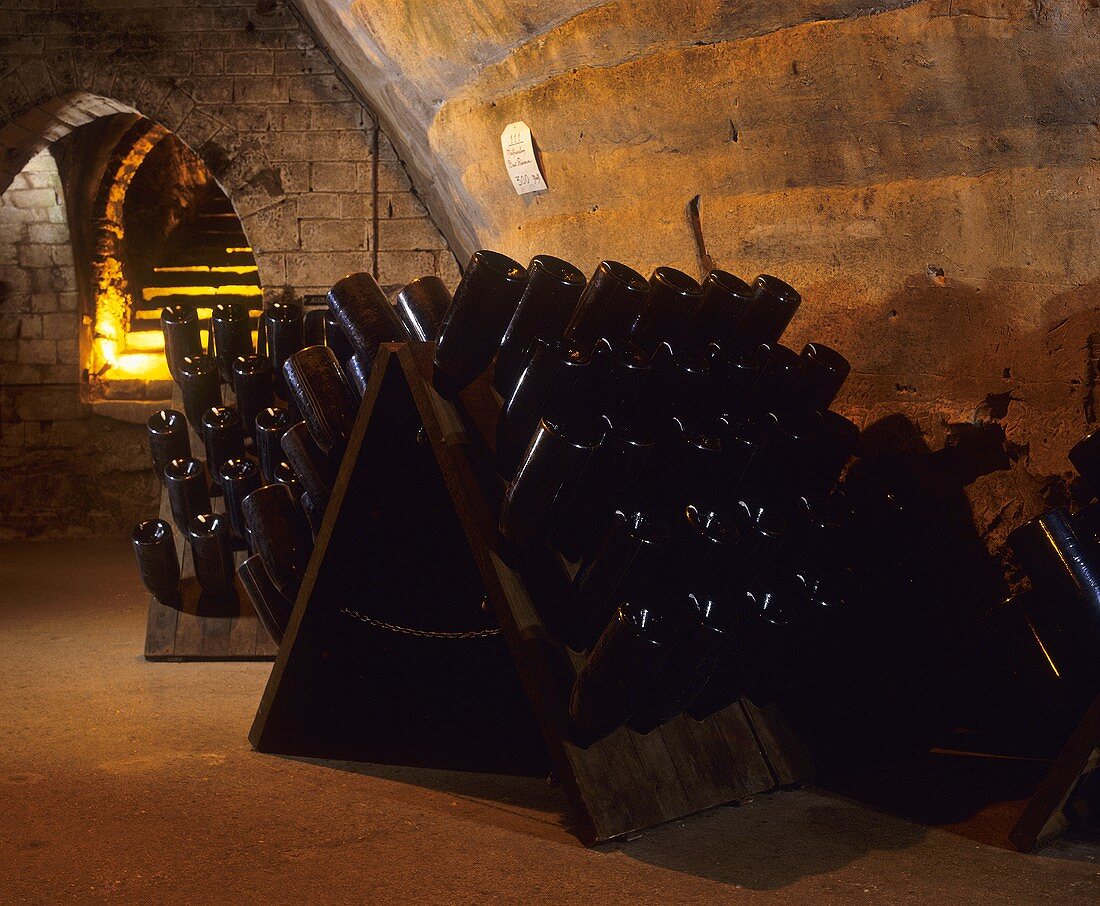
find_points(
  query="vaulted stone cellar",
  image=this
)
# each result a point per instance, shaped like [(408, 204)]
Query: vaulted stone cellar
[(404, 345), (146, 126)]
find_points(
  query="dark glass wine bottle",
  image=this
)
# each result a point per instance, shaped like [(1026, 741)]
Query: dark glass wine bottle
[(157, 559), (627, 563), (223, 437), (365, 316), (767, 618), (609, 305), (422, 305), (188, 490), (549, 386), (670, 306), (168, 438), (271, 605), (238, 478), (230, 336), (201, 387), (620, 671), (212, 554), (767, 315), (282, 333), (182, 337), (318, 386), (707, 628), (551, 467), (483, 304), (316, 473), (820, 378), (271, 425), (254, 386), (724, 300), (280, 535), (552, 292)]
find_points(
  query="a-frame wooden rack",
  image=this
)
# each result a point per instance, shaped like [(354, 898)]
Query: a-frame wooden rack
[(410, 540), (196, 631), (1047, 813)]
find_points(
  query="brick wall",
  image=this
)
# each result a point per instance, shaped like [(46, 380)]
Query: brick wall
[(317, 184), (38, 329), (63, 468)]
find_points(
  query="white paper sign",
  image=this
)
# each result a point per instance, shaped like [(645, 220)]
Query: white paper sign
[(519, 159)]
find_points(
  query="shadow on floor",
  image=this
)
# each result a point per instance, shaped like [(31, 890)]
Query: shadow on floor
[(803, 833), (530, 805), (773, 840)]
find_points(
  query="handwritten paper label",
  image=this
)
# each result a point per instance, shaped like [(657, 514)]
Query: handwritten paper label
[(519, 159)]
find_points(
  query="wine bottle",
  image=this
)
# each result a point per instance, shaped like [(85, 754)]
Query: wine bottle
[(180, 326), (157, 560), (484, 302), (231, 336), (553, 289), (609, 305), (422, 305)]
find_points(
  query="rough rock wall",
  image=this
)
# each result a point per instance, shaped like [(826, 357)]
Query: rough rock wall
[(926, 172)]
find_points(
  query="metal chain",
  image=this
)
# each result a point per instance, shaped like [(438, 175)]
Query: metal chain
[(422, 633)]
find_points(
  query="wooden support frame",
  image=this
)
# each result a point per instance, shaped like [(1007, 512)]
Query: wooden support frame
[(342, 689), (1045, 815), (195, 631)]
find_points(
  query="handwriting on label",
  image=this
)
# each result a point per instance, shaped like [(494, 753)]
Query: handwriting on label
[(519, 159)]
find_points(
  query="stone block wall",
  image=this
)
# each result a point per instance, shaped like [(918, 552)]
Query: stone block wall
[(38, 300), (316, 182), (63, 468)]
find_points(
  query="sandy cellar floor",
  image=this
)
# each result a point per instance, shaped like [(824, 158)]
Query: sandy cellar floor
[(131, 781)]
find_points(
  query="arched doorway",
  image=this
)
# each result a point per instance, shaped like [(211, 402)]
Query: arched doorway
[(162, 232), (103, 223)]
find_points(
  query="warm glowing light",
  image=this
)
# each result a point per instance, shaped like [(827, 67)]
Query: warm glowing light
[(159, 292), (137, 365), (154, 314), (106, 352), (119, 353), (114, 365), (207, 269), (112, 292), (145, 341), (1043, 648)]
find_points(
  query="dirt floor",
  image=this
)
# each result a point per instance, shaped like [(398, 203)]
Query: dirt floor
[(131, 781)]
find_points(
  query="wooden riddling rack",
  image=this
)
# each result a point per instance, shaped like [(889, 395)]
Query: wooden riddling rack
[(1049, 811), (348, 689), (198, 632)]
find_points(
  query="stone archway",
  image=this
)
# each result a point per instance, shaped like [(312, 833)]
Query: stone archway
[(55, 435), (238, 163), (244, 174), (315, 181)]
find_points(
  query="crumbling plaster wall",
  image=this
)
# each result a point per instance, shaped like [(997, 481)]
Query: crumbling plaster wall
[(925, 172)]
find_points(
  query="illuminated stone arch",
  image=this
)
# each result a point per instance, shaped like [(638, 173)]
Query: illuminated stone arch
[(237, 165)]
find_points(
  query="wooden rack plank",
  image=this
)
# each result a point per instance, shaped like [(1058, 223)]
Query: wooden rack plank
[(622, 784), (1044, 817)]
